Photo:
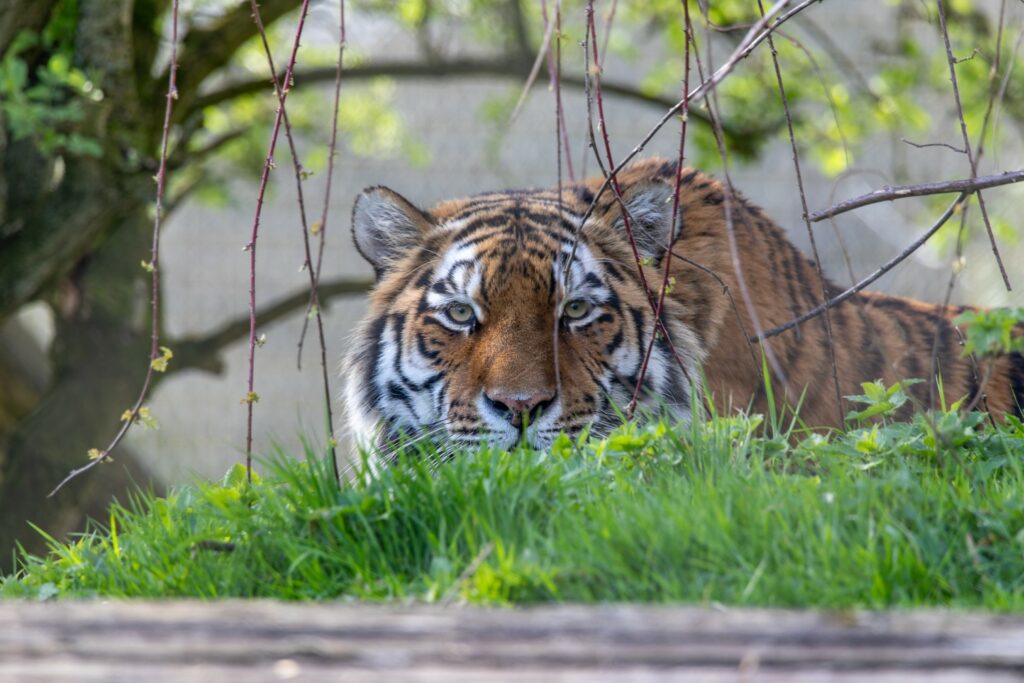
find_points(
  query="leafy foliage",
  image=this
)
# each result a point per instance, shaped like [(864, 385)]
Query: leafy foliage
[(44, 106)]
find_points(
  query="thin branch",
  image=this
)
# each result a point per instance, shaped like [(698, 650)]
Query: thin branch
[(505, 66), (838, 57), (751, 40), (304, 227), (965, 185), (923, 145), (609, 18), (153, 266), (967, 143), (555, 83), (251, 396), (728, 292), (663, 290), (882, 270), (534, 70), (315, 288), (710, 102), (590, 45), (807, 222)]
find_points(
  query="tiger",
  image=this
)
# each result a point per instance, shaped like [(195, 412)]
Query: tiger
[(513, 317)]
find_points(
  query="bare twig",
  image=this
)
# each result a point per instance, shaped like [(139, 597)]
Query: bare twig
[(728, 292), (535, 69), (967, 185), (879, 272), (710, 103), (967, 142), (505, 66), (751, 40), (590, 50), (251, 397), (279, 89), (555, 79), (315, 289), (609, 18), (663, 290), (153, 266), (807, 221), (954, 273), (923, 145)]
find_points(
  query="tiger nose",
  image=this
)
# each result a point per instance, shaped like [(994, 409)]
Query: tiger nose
[(514, 404)]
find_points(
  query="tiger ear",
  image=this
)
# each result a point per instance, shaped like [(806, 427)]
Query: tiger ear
[(649, 208), (386, 225)]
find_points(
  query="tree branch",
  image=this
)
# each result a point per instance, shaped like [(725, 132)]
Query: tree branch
[(463, 67), (196, 352), (886, 194)]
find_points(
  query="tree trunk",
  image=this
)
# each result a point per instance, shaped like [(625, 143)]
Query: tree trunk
[(99, 357)]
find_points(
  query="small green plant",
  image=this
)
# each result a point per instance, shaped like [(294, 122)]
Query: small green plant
[(990, 332), (879, 400)]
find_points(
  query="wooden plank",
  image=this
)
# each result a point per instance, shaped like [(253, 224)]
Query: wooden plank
[(266, 641)]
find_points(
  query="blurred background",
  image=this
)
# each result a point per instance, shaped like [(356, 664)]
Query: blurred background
[(427, 95)]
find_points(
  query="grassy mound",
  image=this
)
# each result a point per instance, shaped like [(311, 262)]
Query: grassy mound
[(929, 512)]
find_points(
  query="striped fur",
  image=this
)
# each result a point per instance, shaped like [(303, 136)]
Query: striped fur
[(413, 370)]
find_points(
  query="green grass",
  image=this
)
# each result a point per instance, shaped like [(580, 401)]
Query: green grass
[(929, 512)]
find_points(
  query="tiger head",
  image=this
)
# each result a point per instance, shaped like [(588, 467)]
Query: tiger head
[(498, 318)]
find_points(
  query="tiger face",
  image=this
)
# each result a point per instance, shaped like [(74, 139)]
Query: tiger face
[(496, 319)]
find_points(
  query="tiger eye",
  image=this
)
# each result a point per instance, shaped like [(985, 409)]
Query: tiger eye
[(576, 309), (460, 313)]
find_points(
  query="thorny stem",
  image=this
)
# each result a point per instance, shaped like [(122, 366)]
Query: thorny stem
[(807, 221), (554, 74), (315, 290), (675, 200), (555, 77), (995, 92), (751, 40), (967, 142), (307, 264), (332, 154), (154, 263), (590, 44), (250, 397), (710, 103)]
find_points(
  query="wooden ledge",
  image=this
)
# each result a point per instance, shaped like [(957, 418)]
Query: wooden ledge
[(255, 641)]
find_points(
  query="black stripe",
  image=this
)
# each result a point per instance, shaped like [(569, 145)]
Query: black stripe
[(641, 347), (614, 344), (397, 393), (421, 345), (371, 357), (870, 350), (1017, 383)]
